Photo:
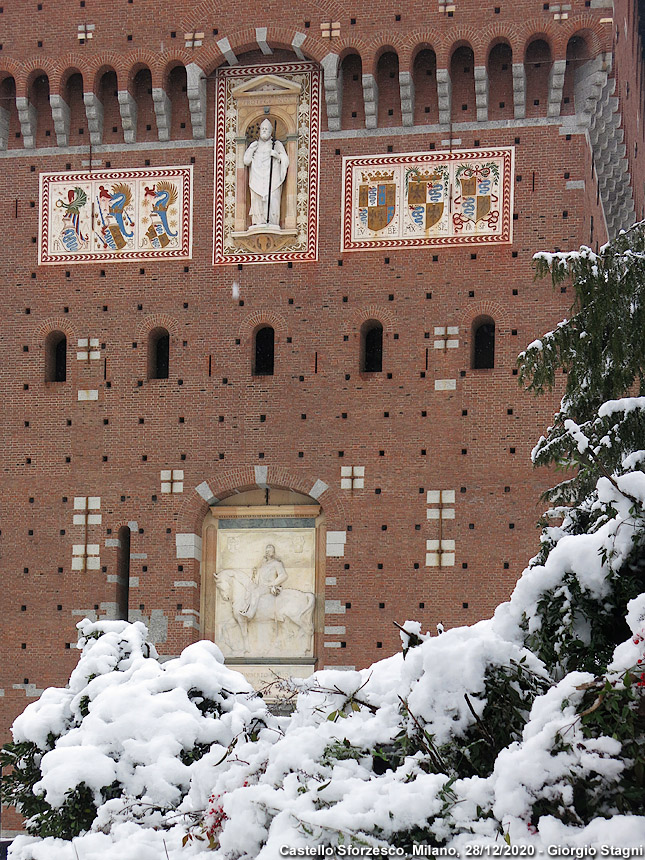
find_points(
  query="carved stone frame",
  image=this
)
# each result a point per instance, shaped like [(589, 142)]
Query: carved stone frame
[(209, 566)]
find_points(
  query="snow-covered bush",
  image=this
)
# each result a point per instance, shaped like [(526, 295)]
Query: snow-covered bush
[(129, 736)]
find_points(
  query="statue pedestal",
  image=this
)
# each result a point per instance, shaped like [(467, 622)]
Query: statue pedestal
[(264, 677), (264, 237)]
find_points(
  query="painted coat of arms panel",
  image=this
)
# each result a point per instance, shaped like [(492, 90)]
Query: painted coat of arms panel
[(427, 199), (116, 215)]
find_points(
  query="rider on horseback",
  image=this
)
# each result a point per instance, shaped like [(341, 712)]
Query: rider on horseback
[(266, 579)]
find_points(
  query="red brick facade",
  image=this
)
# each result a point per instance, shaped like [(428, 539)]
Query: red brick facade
[(525, 75)]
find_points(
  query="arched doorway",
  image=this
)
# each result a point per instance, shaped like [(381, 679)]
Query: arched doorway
[(262, 580)]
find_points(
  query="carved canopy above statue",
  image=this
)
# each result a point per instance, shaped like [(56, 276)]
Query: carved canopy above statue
[(266, 163)]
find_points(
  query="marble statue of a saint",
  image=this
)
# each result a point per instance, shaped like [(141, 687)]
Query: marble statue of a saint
[(265, 181)]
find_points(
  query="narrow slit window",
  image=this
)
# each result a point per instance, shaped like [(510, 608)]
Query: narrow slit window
[(158, 354), (484, 344), (372, 347), (56, 357), (123, 573), (264, 351)]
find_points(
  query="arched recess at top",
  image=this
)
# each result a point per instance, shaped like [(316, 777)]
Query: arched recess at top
[(107, 92), (424, 78), (389, 93), (579, 52), (223, 483), (8, 102), (500, 80), (462, 82), (71, 88), (538, 61), (353, 105), (263, 318)]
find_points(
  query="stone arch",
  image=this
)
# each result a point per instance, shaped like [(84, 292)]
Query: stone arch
[(495, 36), (226, 482), (100, 66), (9, 69), (170, 62), (56, 324), (31, 70), (535, 28), (144, 59)]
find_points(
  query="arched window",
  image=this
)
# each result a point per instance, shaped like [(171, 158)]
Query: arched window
[(372, 347), (264, 351), (483, 343), (123, 573), (56, 357), (158, 354)]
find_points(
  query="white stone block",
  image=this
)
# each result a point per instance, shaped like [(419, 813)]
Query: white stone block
[(185, 583), (78, 563), (445, 384), (331, 644), (447, 513), (432, 559), (447, 545), (178, 487), (432, 545), (335, 550), (334, 631), (448, 497), (80, 503), (345, 471), (93, 549), (359, 471), (346, 483), (439, 344), (336, 537), (359, 483), (432, 513), (453, 329), (78, 519), (178, 474), (92, 562), (94, 342), (439, 329), (83, 341), (88, 394), (82, 356), (94, 519), (188, 545), (95, 354), (433, 497), (94, 502), (261, 475), (78, 549), (330, 580), (447, 559), (112, 542), (166, 474), (452, 344), (166, 487), (334, 607)]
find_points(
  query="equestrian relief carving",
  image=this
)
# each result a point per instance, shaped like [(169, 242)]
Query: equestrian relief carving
[(259, 614)]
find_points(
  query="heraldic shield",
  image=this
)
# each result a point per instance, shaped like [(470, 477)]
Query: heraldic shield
[(377, 201), (426, 198), (477, 184)]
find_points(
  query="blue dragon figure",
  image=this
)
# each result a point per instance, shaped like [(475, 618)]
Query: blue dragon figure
[(164, 195)]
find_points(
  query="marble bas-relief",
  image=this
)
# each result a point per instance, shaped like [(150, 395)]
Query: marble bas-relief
[(265, 600), (268, 163)]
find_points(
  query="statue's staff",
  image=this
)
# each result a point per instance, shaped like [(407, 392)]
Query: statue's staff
[(275, 131)]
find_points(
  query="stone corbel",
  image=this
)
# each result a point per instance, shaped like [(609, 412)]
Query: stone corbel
[(60, 115), (196, 92), (444, 95), (28, 117), (94, 114), (406, 89), (556, 85), (128, 109), (481, 93), (163, 112), (519, 90), (333, 83), (370, 99)]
